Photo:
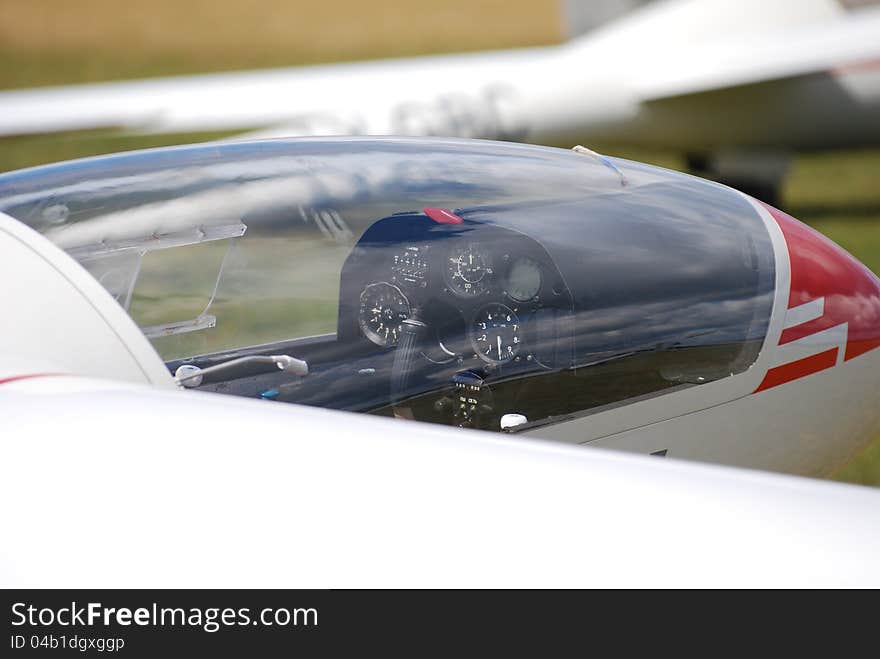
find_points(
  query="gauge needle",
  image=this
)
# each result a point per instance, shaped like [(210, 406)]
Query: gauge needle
[(499, 345)]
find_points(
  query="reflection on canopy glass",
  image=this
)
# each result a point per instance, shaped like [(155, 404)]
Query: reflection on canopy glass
[(438, 280)]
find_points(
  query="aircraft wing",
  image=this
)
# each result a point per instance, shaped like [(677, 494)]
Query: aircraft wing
[(603, 86), (803, 86), (407, 96), (847, 44)]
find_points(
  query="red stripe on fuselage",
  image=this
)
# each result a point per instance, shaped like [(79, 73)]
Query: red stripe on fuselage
[(16, 378), (857, 67), (798, 369), (822, 269)]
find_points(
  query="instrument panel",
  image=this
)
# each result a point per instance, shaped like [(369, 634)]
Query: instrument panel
[(478, 292)]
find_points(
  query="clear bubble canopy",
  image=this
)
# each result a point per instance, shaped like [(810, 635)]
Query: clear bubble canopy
[(458, 282)]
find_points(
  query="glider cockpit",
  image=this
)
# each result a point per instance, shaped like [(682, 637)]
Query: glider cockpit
[(473, 284)]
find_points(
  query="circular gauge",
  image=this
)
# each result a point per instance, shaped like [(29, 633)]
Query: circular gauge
[(450, 337), (524, 279), (410, 265), (495, 333), (383, 309), (468, 270)]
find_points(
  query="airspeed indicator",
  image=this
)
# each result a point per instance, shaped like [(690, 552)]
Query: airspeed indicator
[(383, 308)]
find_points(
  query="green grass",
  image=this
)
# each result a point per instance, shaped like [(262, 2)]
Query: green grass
[(865, 469), (250, 309), (31, 150)]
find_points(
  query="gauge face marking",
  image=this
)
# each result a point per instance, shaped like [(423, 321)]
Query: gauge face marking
[(383, 308), (495, 333), (410, 265), (468, 270), (524, 279)]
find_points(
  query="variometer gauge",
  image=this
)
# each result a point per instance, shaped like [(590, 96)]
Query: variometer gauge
[(383, 308), (495, 333)]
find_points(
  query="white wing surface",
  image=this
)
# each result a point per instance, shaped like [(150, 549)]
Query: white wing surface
[(641, 78)]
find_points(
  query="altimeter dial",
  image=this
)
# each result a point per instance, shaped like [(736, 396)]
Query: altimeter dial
[(468, 270), (383, 308)]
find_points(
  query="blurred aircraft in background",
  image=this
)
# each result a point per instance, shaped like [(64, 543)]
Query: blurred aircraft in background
[(735, 85)]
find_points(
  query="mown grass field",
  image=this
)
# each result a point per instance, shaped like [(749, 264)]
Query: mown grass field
[(46, 42)]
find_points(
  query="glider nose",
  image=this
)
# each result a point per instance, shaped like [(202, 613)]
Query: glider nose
[(833, 313)]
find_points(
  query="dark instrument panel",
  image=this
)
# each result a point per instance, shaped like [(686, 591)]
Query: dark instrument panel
[(480, 291), (460, 313)]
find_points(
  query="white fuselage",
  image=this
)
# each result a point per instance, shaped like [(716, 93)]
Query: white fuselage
[(153, 485)]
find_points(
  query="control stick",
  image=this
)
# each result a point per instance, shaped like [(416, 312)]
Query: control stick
[(412, 332)]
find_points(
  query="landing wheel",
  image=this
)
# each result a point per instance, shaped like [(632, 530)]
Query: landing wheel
[(764, 191), (758, 174)]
